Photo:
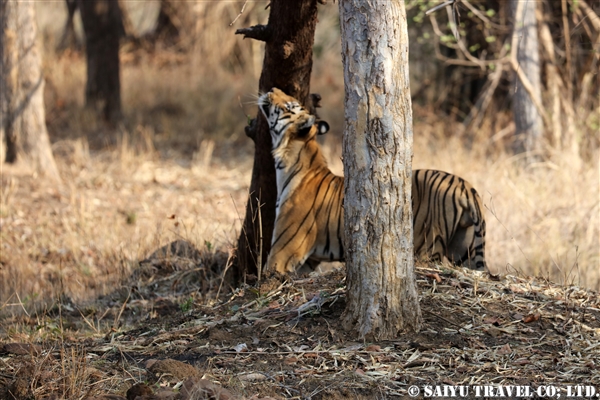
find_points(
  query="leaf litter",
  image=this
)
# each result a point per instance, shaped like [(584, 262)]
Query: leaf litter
[(288, 343)]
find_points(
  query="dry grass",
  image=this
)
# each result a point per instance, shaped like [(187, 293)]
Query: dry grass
[(286, 342), (85, 236), (181, 152)]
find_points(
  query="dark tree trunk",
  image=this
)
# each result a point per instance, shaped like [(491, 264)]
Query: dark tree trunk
[(69, 38), (175, 20), (287, 65), (176, 24), (103, 27), (22, 116), (128, 31)]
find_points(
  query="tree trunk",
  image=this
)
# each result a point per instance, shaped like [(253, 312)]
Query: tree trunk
[(126, 23), (69, 38), (287, 65), (22, 89), (377, 149), (528, 122), (176, 23), (103, 27)]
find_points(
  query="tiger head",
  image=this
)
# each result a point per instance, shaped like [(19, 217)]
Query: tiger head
[(288, 120)]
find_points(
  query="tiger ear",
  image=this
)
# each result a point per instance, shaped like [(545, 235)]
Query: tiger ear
[(322, 127)]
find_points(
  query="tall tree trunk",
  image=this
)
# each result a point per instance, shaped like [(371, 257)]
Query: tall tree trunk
[(69, 38), (528, 122), (22, 89), (377, 149), (289, 37), (176, 23), (103, 27)]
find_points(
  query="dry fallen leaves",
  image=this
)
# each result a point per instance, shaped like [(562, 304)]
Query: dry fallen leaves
[(531, 318), (434, 276)]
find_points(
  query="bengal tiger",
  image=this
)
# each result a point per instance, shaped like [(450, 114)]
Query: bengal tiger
[(447, 211)]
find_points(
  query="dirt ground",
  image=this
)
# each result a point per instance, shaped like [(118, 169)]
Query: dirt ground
[(287, 342)]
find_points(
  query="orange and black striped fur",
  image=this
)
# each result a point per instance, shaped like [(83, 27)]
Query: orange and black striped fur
[(448, 220), (309, 222)]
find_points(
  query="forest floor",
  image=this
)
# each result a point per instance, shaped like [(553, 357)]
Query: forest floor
[(285, 341)]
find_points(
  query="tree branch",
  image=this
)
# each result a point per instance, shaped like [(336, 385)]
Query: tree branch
[(240, 14), (444, 4), (314, 102), (250, 130), (461, 49), (589, 13), (482, 16), (257, 32), (478, 110)]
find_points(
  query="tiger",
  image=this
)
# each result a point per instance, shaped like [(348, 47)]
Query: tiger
[(448, 222)]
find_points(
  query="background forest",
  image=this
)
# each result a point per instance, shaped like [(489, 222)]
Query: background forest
[(177, 165)]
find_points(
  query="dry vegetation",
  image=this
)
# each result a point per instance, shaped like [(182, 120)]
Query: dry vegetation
[(286, 343), (179, 167)]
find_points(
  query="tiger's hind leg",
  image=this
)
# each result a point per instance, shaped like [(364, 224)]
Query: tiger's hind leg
[(476, 256), (466, 246), (458, 248), (433, 250), (310, 265), (466, 249), (290, 252)]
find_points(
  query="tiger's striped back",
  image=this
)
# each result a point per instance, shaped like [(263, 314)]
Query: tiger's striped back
[(447, 219)]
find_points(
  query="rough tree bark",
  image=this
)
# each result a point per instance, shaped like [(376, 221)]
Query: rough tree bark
[(289, 37), (528, 121), (377, 149), (22, 89), (103, 28)]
